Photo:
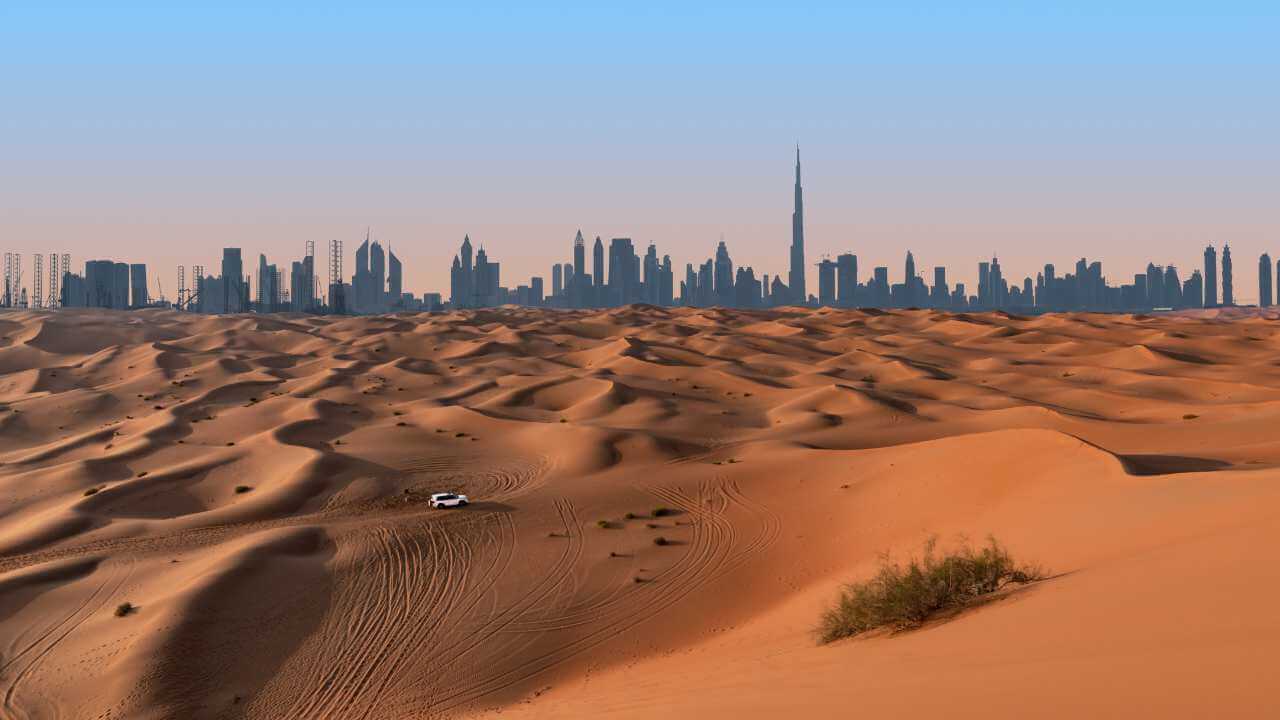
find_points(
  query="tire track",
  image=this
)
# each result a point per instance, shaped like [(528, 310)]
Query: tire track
[(48, 640)]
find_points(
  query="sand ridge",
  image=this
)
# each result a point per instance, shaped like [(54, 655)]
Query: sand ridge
[(257, 485)]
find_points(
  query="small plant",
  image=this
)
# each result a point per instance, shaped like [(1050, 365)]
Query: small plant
[(630, 516), (904, 596), (563, 420), (125, 608), (651, 526), (1190, 416), (242, 489), (660, 541), (663, 511), (602, 524), (402, 424), (91, 491)]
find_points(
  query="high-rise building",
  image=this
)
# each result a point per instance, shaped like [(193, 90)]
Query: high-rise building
[(555, 280), (395, 279), (826, 283), (1264, 281), (579, 256), (795, 280), (846, 279), (1228, 294), (234, 292), (723, 276), (138, 285), (597, 263), (376, 288), (1210, 277), (120, 286)]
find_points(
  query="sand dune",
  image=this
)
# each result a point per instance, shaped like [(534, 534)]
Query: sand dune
[(256, 488)]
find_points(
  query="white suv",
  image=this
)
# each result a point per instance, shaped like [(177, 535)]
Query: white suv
[(445, 500)]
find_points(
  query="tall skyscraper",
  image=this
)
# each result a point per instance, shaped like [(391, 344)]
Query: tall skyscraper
[(556, 285), (846, 279), (796, 277), (579, 257), (1228, 295), (1264, 281), (597, 263), (138, 284), (826, 283), (377, 286), (395, 279), (234, 292), (1210, 277), (724, 276)]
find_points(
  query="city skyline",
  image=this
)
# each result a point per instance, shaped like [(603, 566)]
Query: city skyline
[(375, 284)]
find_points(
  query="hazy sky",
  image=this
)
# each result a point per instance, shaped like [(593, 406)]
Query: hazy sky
[(151, 132)]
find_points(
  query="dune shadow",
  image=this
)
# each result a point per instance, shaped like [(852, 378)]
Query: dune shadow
[(1169, 464)]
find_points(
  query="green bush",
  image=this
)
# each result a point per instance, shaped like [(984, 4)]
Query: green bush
[(903, 596)]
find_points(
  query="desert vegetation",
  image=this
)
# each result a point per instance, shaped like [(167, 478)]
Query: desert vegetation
[(901, 596)]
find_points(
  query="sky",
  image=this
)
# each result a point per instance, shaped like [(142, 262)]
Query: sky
[(1128, 132)]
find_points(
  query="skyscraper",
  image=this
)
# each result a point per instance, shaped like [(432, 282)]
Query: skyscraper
[(395, 279), (597, 263), (377, 286), (826, 283), (579, 256), (1264, 281), (138, 284), (795, 279), (1210, 277), (233, 290), (1228, 295), (555, 280), (846, 279), (724, 276)]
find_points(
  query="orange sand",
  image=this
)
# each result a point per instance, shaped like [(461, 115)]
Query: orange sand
[(1136, 457)]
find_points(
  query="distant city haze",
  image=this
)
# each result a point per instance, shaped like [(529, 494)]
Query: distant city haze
[(157, 135)]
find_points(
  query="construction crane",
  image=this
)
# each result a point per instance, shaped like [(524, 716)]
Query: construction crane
[(160, 289)]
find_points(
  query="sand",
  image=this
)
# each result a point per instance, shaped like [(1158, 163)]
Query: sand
[(256, 487)]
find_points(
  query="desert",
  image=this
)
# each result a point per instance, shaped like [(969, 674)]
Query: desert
[(228, 516)]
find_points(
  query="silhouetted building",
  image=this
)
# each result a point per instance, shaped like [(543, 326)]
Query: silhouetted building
[(1228, 294), (138, 285), (795, 280), (1264, 281), (826, 283), (1210, 277)]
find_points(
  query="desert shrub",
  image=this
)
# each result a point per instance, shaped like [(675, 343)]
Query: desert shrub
[(630, 516), (903, 596), (91, 491), (663, 511), (124, 608), (661, 541), (242, 489), (602, 524)]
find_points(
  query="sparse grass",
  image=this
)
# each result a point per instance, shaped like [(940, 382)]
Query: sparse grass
[(91, 491), (242, 489), (1190, 416), (651, 526), (125, 608), (661, 541), (904, 596), (630, 516), (603, 524), (662, 511)]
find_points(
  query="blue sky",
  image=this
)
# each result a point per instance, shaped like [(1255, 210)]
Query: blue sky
[(1126, 131)]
